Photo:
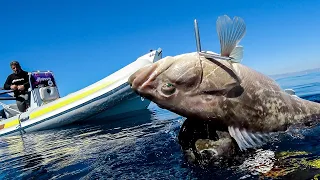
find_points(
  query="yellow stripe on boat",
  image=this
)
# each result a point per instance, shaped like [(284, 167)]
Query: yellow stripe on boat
[(68, 100), (11, 123)]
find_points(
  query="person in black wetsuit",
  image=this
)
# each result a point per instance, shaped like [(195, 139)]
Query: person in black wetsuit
[(19, 82)]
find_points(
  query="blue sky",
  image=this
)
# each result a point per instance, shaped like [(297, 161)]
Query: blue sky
[(85, 41)]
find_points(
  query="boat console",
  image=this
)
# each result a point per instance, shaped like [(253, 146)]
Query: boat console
[(43, 88)]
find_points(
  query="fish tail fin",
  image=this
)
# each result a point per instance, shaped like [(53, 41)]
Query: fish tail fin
[(230, 32)]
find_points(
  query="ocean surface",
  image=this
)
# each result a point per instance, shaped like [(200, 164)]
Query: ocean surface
[(143, 145)]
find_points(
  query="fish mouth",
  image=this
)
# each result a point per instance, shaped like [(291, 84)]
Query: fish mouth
[(142, 77)]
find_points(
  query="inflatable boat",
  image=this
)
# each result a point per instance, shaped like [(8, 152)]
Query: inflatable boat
[(107, 97)]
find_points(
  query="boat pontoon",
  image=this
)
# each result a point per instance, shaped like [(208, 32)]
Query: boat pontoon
[(107, 97)]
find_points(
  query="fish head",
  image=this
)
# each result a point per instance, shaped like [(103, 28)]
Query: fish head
[(187, 84)]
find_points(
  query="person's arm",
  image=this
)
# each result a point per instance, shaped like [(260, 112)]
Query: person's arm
[(27, 84), (7, 84)]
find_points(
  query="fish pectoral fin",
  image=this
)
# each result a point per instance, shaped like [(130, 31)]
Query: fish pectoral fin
[(247, 140), (230, 32)]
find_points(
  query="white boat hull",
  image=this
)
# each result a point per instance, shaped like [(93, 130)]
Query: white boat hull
[(108, 97), (119, 101)]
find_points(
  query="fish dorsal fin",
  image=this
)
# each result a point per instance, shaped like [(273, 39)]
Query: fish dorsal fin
[(237, 54), (246, 140), (230, 32)]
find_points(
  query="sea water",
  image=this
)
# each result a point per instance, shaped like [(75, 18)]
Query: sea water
[(143, 145)]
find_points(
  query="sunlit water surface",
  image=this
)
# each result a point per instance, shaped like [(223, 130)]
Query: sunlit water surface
[(144, 145)]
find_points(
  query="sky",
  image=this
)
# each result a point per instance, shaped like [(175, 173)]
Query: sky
[(84, 41)]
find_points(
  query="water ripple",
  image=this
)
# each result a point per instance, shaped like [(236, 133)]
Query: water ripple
[(139, 145)]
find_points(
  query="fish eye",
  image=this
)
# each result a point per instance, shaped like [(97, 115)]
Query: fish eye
[(168, 88)]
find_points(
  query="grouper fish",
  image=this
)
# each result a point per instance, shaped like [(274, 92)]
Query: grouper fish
[(216, 93)]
